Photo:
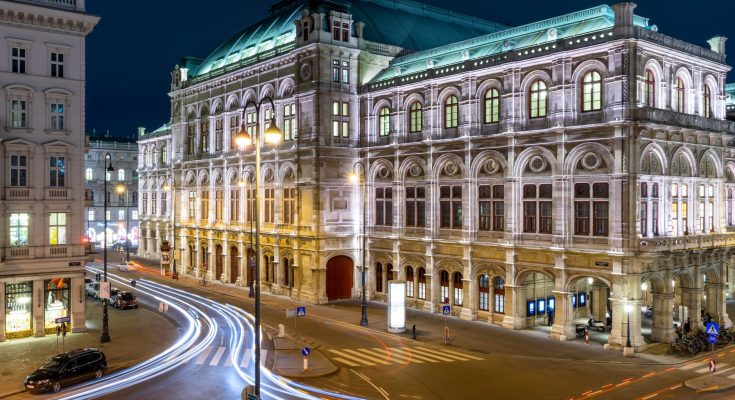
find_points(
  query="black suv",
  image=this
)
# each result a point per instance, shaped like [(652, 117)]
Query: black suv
[(67, 369)]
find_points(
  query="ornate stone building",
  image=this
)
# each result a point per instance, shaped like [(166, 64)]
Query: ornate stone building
[(41, 161), (527, 176)]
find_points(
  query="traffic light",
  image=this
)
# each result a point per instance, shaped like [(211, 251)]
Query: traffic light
[(98, 277), (133, 282)]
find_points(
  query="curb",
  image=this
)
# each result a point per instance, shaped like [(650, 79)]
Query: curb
[(8, 394), (695, 384)]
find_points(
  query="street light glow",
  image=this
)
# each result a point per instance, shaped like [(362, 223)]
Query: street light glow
[(272, 133), (120, 189), (628, 308)]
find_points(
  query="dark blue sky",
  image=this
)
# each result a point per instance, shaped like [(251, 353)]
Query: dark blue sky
[(136, 45)]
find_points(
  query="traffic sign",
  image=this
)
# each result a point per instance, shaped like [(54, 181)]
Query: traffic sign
[(300, 311), (105, 290), (63, 319), (446, 310), (305, 351), (712, 328), (712, 339), (712, 366)]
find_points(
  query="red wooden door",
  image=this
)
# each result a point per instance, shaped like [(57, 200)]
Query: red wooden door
[(218, 261), (339, 278)]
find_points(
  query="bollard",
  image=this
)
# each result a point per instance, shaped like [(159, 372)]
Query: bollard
[(306, 363), (586, 336)]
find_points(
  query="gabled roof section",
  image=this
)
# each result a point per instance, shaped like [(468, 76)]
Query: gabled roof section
[(536, 33)]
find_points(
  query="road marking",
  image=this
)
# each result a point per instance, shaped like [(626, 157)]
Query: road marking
[(650, 396), (204, 355), (399, 358), (723, 370), (246, 359), (228, 362), (731, 376), (414, 355), (379, 389), (705, 369), (464, 355), (343, 361), (444, 354), (692, 365), (351, 357), (217, 356), (367, 356)]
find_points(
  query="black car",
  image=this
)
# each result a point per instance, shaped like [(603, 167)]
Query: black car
[(67, 369), (124, 300)]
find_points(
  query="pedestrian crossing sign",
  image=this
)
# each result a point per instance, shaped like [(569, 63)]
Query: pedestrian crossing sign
[(300, 311), (712, 328), (446, 310)]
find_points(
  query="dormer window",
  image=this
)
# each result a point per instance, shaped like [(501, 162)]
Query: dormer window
[(341, 31), (345, 32), (305, 26), (336, 30)]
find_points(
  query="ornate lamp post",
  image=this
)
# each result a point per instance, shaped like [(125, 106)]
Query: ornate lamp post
[(105, 326), (356, 177), (120, 189), (272, 135), (172, 189), (628, 346)]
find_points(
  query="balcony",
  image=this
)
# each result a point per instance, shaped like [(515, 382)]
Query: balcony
[(680, 243), (41, 252), (669, 117), (58, 194), (73, 5), (17, 193)]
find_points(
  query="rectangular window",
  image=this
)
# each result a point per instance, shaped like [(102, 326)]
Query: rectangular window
[(19, 223), (204, 206), (192, 205), (458, 295), (234, 205), (219, 206), (57, 116), (484, 194), (18, 170), (120, 215), (250, 204), (57, 229), (144, 204), (269, 206), (18, 60), (335, 128), (684, 218), (537, 208), (484, 301), (345, 129), (384, 206), (335, 70), (582, 218), (345, 32), (18, 114), (154, 203), (345, 72), (289, 122), (600, 222), (499, 302), (674, 218), (710, 217), (450, 207), (415, 206), (219, 134), (335, 31), (644, 219), (234, 130), (289, 206), (654, 218), (191, 137), (57, 171), (164, 203), (90, 215), (700, 217), (134, 215), (57, 65)]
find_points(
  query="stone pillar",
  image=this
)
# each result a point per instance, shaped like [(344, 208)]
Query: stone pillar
[(225, 277), (432, 292), (662, 329), (515, 311), (691, 298), (598, 308), (716, 304), (38, 326), (469, 309), (77, 304), (2, 311), (626, 291), (563, 328), (197, 259)]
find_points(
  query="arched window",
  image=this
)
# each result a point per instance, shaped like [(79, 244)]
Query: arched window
[(679, 92), (409, 281), (538, 96), (707, 102), (492, 106), (458, 289), (88, 174), (444, 285), (499, 289), (384, 129), (379, 278), (121, 174), (591, 91), (484, 298), (451, 112), (164, 155), (650, 89), (204, 130), (422, 283), (191, 136), (416, 117)]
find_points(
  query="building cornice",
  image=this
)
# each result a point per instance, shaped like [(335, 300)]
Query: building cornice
[(47, 18)]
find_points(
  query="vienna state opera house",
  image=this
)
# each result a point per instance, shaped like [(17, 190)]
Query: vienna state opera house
[(529, 176)]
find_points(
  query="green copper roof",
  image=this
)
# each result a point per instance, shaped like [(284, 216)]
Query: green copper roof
[(403, 23), (546, 31)]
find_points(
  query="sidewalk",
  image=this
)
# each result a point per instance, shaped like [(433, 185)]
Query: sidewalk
[(289, 361), (474, 336), (135, 335)]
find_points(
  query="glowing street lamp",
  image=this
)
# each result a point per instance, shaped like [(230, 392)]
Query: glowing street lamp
[(120, 189), (355, 179), (272, 135), (628, 309)]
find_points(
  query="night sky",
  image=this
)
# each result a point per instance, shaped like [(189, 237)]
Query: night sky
[(137, 43)]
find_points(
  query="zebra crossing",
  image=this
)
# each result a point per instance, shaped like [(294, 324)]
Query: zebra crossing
[(377, 356), (214, 356), (702, 367)]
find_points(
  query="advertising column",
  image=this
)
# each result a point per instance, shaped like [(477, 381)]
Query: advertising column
[(396, 306)]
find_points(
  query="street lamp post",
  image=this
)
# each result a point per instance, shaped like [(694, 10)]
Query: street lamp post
[(272, 135), (628, 346), (356, 178), (105, 326), (172, 189), (120, 190)]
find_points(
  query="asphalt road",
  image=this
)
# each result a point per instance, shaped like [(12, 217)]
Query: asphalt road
[(377, 365)]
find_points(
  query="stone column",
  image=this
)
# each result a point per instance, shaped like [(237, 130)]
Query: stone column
[(691, 298), (225, 277), (716, 304), (432, 291), (662, 329), (626, 291), (515, 311), (76, 304), (598, 307), (469, 309), (563, 328), (38, 304)]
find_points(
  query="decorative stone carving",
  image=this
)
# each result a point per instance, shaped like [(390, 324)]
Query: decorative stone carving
[(415, 171), (537, 164), (591, 161), (450, 168), (491, 166), (383, 172)]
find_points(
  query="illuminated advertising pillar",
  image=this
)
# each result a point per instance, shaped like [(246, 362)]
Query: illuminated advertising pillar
[(396, 306)]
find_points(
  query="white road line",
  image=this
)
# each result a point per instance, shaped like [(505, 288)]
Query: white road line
[(436, 354), (367, 356), (246, 359), (731, 376), (228, 362), (706, 369), (413, 355), (397, 358), (463, 355), (343, 361), (723, 370), (217, 356), (693, 365), (362, 361), (203, 357)]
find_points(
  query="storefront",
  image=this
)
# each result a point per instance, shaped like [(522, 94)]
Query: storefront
[(18, 310), (57, 296)]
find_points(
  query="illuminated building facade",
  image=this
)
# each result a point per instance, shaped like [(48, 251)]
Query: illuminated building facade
[(527, 176), (41, 161)]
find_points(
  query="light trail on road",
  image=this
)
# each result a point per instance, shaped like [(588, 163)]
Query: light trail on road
[(200, 330)]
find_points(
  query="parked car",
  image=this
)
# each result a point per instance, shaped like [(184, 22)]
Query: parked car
[(67, 369), (93, 289), (113, 295), (124, 300)]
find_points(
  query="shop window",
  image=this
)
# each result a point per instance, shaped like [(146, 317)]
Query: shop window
[(18, 309), (56, 302)]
